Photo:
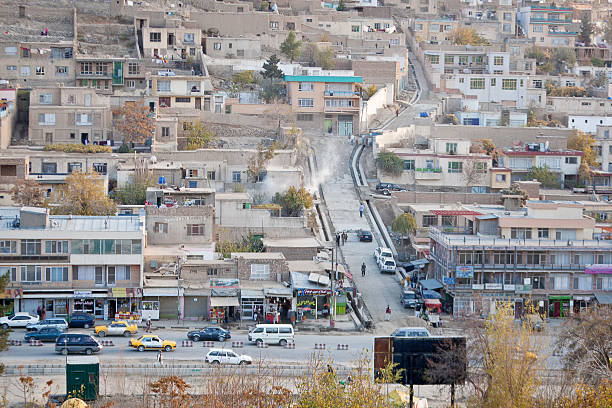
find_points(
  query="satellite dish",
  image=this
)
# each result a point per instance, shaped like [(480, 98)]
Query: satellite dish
[(153, 159)]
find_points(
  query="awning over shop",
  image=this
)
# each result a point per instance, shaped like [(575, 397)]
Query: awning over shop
[(300, 282), (431, 294), (604, 298), (432, 302), (47, 295), (163, 292), (278, 292), (430, 284), (224, 301), (197, 292), (252, 293)]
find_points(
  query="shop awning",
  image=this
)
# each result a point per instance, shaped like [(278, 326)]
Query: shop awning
[(197, 292), (604, 298), (278, 292), (432, 302), (430, 284), (224, 301), (47, 295), (252, 293), (162, 292)]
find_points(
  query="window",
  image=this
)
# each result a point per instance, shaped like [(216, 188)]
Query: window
[(507, 28), (536, 258), (155, 37), (56, 247), (305, 86), (100, 167), (507, 16), (163, 86), (537, 83), (49, 168), (408, 164), (509, 84), (101, 69), (355, 28), (463, 60), (40, 71), (449, 59), (83, 119), (560, 281), (182, 100), (543, 233), (604, 283), (165, 131), (133, 68), (429, 220), (394, 41), (131, 83), (493, 82), (11, 67), (240, 53), (572, 160), (236, 176), (217, 46), (538, 28), (477, 83), (305, 117), (56, 274), (480, 167), (461, 80), (25, 71), (8, 247), (433, 59), (45, 99), (583, 282), (418, 27), (210, 175), (455, 167), (195, 230), (274, 25), (260, 272), (45, 119), (498, 60), (306, 103), (188, 38), (61, 71), (500, 178), (451, 148), (192, 173), (520, 233), (538, 282), (10, 50), (31, 273), (11, 271), (72, 167)]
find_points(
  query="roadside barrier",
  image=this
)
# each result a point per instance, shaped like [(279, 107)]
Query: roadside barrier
[(187, 343), (107, 343), (237, 344), (319, 346), (290, 345), (35, 342), (208, 344), (342, 347)]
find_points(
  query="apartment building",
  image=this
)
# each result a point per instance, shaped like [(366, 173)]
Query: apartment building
[(109, 74), (544, 253), (588, 124), (232, 47), (171, 39), (548, 25), (37, 63), (66, 264), (445, 163), (181, 89), (561, 106), (564, 164), (69, 115), (434, 30), (467, 60), (329, 98)]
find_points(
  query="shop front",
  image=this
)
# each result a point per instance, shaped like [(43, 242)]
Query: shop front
[(222, 309), (581, 303), (162, 302), (54, 304), (8, 298), (195, 304), (251, 300), (277, 304), (559, 306), (90, 302), (123, 304)]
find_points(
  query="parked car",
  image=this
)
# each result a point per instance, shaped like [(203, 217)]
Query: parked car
[(44, 334), (226, 356), (19, 319), (152, 342), (117, 328), (365, 236), (389, 187), (77, 343), (209, 333), (81, 320), (271, 333), (410, 332), (56, 322), (409, 299), (382, 252), (386, 265)]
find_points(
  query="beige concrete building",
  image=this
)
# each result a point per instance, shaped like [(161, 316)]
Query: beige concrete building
[(176, 89), (232, 47), (548, 25), (173, 39), (69, 115), (188, 225), (110, 74), (8, 116)]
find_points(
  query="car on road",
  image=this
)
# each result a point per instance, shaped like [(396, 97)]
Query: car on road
[(409, 299), (81, 320), (152, 342), (411, 332), (382, 252), (19, 319), (365, 236), (386, 265), (272, 333), (117, 328), (44, 334), (56, 322), (227, 356), (211, 333), (389, 187), (77, 343)]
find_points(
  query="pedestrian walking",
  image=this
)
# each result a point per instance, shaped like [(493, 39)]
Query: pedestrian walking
[(396, 112), (148, 328), (330, 369), (338, 239), (388, 313), (38, 313), (361, 208), (345, 237), (255, 315), (363, 269), (342, 238), (159, 358)]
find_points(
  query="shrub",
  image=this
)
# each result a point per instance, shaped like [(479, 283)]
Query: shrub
[(78, 148)]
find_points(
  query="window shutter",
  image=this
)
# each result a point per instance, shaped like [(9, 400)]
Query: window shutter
[(48, 273), (65, 274)]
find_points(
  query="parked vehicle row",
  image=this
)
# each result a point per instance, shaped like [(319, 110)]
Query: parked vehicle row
[(31, 323), (384, 259)]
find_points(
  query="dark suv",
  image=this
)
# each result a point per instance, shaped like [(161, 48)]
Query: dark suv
[(77, 343), (81, 320), (388, 187), (209, 333)]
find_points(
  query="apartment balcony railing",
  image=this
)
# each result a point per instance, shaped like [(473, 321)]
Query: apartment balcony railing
[(341, 109), (72, 285), (428, 174), (342, 93), (549, 21)]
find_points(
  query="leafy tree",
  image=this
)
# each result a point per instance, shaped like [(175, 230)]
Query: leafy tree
[(341, 6), (249, 243), (389, 163), (585, 143), (537, 53), (199, 136), (294, 201), (135, 192), (546, 177), (584, 172), (244, 78), (601, 80), (589, 396), (273, 92), (465, 36), (324, 58), (370, 91), (28, 193), (134, 122), (271, 70), (404, 224), (264, 6), (598, 62), (259, 161), (586, 30), (474, 171), (563, 55), (291, 48), (83, 194)]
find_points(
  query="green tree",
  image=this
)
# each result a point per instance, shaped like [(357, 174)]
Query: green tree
[(546, 177), (264, 6), (389, 163), (341, 6), (563, 56), (291, 48), (199, 136), (586, 29), (259, 161), (135, 192), (404, 224), (598, 62), (324, 58), (82, 194), (271, 70), (601, 79), (294, 201), (467, 36), (244, 78)]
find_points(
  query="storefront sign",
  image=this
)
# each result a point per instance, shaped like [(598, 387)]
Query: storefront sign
[(11, 293), (598, 268), (224, 283), (478, 286), (82, 293), (302, 292), (448, 281), (522, 288), (494, 286), (124, 292), (464, 272), (510, 287)]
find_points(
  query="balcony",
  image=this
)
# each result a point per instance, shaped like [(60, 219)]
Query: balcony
[(342, 93), (341, 109), (563, 33), (549, 21), (428, 174), (78, 284)]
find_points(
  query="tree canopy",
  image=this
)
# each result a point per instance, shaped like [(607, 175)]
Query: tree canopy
[(294, 201), (271, 69), (585, 143), (547, 178), (199, 136), (404, 224), (135, 122), (467, 36), (291, 47), (28, 193), (82, 194), (389, 163), (586, 30), (135, 192)]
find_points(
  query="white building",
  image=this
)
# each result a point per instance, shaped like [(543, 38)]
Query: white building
[(588, 124)]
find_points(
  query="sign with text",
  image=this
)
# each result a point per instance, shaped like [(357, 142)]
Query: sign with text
[(464, 271), (224, 283)]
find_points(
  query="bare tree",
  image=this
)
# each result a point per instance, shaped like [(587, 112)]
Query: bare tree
[(474, 171), (448, 366)]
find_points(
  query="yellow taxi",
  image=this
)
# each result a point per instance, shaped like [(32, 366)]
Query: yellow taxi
[(152, 342), (117, 328)]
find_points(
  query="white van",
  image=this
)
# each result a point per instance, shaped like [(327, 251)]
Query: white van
[(272, 333)]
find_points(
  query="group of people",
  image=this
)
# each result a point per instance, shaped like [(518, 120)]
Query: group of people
[(341, 238), (41, 312)]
